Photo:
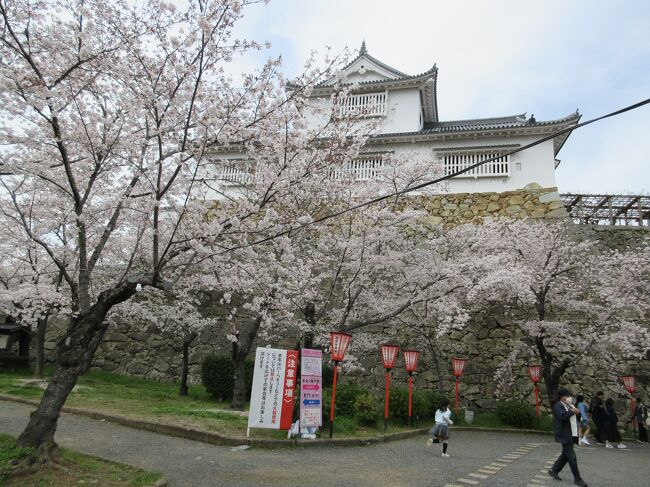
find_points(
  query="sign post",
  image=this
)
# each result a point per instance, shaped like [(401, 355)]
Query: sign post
[(311, 388), (274, 384)]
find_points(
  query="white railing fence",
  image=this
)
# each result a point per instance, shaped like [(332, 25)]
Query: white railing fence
[(369, 104), (459, 161), (365, 169), (233, 174)]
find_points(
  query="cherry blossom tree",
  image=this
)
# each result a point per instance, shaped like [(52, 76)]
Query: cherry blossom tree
[(110, 113), (31, 287), (568, 299)]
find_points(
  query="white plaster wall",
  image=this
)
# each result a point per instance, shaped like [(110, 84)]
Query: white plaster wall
[(402, 112), (534, 165)]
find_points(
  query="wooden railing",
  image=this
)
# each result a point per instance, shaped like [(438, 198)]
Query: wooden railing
[(369, 104), (234, 174), (363, 169), (500, 167)]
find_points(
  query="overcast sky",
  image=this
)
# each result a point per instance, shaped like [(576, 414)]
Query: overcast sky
[(499, 58)]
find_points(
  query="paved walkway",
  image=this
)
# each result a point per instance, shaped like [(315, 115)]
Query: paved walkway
[(477, 459)]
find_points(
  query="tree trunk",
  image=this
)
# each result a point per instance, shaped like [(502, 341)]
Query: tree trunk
[(240, 350), (39, 346), (186, 354), (40, 430), (74, 355), (239, 385)]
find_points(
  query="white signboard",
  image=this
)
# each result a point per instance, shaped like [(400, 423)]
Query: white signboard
[(311, 388), (274, 383), (3, 341)]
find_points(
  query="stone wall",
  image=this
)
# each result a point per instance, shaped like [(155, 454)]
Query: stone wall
[(452, 209)]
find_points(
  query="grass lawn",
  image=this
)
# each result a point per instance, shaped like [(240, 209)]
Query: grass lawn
[(84, 470), (159, 401)]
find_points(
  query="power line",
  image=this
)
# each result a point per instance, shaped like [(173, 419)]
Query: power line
[(440, 179)]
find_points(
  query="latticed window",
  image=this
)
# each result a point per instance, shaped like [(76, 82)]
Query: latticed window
[(455, 162), (368, 104), (234, 173), (361, 169)]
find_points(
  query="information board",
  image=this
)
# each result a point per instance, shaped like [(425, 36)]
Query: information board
[(274, 384), (311, 388)]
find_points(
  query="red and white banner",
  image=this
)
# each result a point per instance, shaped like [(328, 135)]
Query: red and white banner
[(311, 388), (274, 385)]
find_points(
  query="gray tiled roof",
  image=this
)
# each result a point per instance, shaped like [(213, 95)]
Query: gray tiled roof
[(513, 121)]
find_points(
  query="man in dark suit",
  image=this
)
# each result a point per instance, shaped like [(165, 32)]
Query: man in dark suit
[(564, 413)]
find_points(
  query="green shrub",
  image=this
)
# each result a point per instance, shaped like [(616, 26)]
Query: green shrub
[(346, 395), (424, 404), (217, 375), (366, 409), (517, 414)]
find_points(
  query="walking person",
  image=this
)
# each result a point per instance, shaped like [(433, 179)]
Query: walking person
[(565, 427), (610, 426), (597, 410), (641, 416), (583, 425), (441, 427)]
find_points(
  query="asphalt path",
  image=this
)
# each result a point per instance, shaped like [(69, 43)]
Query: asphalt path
[(476, 459)]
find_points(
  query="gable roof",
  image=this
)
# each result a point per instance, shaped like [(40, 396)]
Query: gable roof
[(390, 73)]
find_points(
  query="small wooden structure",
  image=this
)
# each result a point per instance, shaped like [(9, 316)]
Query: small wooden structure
[(14, 344), (608, 209)]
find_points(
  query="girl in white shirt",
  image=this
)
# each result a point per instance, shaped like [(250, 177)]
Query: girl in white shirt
[(441, 428)]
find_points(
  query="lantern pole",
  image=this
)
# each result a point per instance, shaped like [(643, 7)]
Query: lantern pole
[(629, 381), (457, 367), (387, 400), (336, 369), (339, 342), (410, 396), (411, 358)]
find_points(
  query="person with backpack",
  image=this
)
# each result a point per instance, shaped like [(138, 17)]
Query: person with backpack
[(641, 416)]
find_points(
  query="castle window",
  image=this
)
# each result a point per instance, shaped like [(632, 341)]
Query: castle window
[(455, 162), (366, 104), (361, 169)]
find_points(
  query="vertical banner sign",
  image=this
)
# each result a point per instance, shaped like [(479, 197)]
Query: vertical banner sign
[(274, 382), (311, 390)]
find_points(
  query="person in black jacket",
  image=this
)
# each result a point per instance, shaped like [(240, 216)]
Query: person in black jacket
[(565, 427), (597, 410)]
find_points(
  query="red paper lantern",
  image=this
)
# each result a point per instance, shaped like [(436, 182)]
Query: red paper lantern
[(411, 358), (389, 355), (630, 383), (535, 372), (458, 365), (339, 342)]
